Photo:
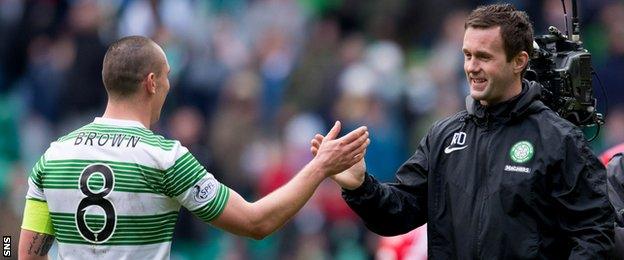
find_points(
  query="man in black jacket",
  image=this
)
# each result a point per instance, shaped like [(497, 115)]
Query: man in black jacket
[(506, 178), (615, 188)]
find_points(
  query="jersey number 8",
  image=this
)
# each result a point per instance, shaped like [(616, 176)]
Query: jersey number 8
[(96, 199)]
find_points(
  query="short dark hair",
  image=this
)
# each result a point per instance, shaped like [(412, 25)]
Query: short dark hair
[(516, 28), (127, 62)]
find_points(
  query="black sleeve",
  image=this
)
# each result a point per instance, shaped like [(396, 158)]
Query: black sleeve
[(615, 186), (580, 195), (394, 208)]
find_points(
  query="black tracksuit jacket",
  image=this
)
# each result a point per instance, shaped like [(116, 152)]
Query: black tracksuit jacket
[(510, 181), (615, 187)]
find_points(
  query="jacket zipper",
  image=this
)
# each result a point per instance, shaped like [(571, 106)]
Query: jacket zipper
[(483, 188)]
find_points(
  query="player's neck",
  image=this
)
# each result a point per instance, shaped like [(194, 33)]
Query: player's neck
[(128, 111)]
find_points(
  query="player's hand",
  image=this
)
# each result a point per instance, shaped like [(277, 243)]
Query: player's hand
[(336, 155), (351, 178)]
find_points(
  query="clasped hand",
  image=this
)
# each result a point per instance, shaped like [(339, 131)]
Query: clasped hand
[(346, 153)]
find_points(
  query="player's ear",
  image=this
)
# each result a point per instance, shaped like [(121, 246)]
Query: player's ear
[(150, 83), (520, 61)]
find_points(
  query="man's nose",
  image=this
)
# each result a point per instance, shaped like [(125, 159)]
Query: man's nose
[(472, 66)]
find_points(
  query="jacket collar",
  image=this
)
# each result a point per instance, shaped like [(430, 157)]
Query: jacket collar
[(527, 102)]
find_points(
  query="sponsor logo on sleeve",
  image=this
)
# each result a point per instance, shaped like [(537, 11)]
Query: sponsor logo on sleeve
[(205, 190)]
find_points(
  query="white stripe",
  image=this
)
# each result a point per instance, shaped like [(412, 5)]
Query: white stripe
[(78, 251), (125, 203), (33, 191)]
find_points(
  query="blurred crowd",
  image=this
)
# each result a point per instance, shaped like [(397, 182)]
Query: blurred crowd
[(252, 81)]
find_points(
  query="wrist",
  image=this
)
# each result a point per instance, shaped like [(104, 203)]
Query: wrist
[(361, 186), (317, 169)]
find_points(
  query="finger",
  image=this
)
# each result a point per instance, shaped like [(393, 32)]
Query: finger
[(360, 150), (319, 138), (333, 133), (315, 144), (356, 158), (354, 135), (360, 156), (314, 150), (357, 143)]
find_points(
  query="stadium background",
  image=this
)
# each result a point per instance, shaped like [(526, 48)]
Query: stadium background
[(252, 81)]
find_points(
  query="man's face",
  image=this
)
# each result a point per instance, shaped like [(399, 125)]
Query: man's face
[(489, 74)]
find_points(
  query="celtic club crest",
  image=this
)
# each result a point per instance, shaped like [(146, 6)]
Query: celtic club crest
[(521, 152)]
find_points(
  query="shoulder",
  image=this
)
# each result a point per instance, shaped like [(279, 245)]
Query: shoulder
[(564, 140), (164, 150), (448, 123), (554, 126)]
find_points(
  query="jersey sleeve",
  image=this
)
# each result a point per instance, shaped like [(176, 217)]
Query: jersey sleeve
[(197, 190), (36, 214), (35, 184)]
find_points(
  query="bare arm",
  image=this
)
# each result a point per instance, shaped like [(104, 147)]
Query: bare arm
[(266, 215), (33, 245)]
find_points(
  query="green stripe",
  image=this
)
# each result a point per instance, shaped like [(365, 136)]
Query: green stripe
[(37, 172), (129, 177), (75, 162), (35, 199), (129, 230), (214, 208), (185, 172)]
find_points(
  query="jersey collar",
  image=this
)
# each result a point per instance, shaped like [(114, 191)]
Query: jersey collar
[(118, 122)]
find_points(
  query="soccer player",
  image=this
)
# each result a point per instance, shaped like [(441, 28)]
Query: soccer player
[(112, 189)]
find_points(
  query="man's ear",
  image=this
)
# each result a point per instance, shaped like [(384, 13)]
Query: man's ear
[(521, 61), (150, 83)]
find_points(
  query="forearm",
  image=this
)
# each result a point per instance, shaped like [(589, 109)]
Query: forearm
[(387, 209), (275, 209), (33, 245)]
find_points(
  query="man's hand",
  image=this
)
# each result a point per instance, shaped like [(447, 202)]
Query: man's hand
[(337, 155), (351, 178)]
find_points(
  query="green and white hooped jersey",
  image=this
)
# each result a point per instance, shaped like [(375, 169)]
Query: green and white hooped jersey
[(114, 189)]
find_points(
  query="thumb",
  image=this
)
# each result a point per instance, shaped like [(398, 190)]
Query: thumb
[(333, 133)]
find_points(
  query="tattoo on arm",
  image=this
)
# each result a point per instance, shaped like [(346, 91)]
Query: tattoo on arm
[(40, 244)]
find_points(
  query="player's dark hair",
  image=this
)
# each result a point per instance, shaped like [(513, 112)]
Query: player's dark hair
[(127, 62), (516, 28)]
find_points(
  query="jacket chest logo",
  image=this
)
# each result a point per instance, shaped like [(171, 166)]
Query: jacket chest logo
[(521, 152), (457, 143)]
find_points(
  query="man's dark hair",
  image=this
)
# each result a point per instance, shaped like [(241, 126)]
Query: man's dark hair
[(516, 28), (127, 62)]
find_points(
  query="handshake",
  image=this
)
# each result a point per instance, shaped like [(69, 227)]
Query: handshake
[(342, 158)]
